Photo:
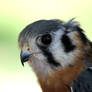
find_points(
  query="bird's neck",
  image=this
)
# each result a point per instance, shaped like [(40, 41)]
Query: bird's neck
[(53, 85), (60, 81)]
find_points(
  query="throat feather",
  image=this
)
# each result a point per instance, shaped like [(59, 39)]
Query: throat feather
[(61, 80)]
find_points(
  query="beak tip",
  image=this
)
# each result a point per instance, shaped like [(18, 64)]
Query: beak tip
[(23, 64), (24, 56)]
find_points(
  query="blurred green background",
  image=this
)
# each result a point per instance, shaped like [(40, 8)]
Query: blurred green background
[(14, 16)]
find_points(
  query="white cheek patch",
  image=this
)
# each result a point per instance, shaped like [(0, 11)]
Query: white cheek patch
[(39, 63), (57, 50), (41, 66)]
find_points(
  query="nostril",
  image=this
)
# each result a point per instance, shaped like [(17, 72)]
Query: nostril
[(28, 49), (25, 55)]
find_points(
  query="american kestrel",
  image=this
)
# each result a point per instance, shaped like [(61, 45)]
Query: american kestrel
[(60, 55)]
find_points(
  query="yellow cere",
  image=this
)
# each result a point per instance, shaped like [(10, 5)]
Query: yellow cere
[(14, 16)]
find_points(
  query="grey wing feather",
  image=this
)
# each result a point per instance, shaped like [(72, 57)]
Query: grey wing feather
[(84, 82)]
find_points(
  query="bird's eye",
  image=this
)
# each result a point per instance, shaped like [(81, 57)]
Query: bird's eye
[(44, 40)]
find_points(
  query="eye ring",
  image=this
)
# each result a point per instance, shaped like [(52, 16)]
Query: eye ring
[(44, 40)]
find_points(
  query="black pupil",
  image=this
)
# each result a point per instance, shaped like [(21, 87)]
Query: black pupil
[(46, 39)]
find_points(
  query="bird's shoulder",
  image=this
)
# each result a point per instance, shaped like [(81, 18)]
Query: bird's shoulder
[(84, 82)]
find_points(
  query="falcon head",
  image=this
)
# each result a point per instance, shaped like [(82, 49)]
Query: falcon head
[(51, 45)]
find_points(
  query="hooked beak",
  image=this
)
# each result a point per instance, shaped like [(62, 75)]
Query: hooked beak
[(24, 56)]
